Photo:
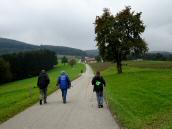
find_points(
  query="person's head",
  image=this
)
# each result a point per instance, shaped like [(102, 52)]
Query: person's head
[(98, 73), (42, 71), (63, 73)]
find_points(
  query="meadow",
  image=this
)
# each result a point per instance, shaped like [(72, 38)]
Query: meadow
[(140, 97), (17, 96)]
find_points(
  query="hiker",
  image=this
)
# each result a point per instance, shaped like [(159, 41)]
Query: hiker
[(98, 82), (64, 84), (43, 81)]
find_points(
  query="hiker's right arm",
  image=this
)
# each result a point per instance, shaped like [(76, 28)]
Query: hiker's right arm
[(103, 81), (38, 82), (69, 82), (93, 81), (58, 81), (48, 79)]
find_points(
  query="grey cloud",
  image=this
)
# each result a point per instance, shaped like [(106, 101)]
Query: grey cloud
[(70, 22)]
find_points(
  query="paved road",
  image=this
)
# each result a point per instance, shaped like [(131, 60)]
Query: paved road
[(80, 112)]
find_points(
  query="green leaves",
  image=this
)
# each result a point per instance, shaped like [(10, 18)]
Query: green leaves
[(120, 35), (64, 60)]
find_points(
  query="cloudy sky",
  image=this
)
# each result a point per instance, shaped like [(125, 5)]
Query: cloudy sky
[(70, 22)]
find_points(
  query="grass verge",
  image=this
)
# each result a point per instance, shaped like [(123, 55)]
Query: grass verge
[(141, 97)]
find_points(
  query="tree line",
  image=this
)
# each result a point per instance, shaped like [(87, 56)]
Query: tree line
[(25, 64), (65, 60), (152, 56)]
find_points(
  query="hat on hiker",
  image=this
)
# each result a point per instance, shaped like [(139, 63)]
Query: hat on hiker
[(42, 71), (63, 72), (98, 73)]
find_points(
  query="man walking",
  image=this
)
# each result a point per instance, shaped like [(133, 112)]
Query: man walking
[(64, 84), (98, 83), (43, 81)]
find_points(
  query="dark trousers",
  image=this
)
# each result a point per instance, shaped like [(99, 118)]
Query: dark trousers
[(99, 95), (64, 94), (43, 94)]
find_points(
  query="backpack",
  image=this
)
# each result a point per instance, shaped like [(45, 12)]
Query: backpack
[(98, 84), (42, 81), (64, 82)]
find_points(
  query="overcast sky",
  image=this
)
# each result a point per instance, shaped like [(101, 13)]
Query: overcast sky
[(70, 22)]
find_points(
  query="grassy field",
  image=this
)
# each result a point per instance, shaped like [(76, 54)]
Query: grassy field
[(141, 97), (16, 96)]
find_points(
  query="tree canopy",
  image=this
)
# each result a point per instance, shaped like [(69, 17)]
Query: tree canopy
[(5, 73), (120, 35), (27, 64), (72, 62), (64, 60)]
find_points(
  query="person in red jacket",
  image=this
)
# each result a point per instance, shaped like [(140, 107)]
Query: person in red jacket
[(98, 83)]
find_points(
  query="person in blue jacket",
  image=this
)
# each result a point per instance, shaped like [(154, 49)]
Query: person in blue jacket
[(64, 84)]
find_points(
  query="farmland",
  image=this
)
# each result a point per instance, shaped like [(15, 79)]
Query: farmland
[(140, 97)]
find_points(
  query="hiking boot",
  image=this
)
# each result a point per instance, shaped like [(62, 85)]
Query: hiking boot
[(40, 102), (64, 101), (45, 102)]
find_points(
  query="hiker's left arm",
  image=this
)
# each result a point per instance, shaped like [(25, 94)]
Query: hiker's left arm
[(104, 83), (69, 82)]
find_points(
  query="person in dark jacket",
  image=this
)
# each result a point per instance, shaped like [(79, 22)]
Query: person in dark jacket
[(43, 81), (64, 84), (98, 82)]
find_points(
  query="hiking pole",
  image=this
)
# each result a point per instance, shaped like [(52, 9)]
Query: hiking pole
[(31, 91)]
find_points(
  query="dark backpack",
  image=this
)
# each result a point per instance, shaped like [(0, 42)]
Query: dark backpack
[(43, 81), (98, 84)]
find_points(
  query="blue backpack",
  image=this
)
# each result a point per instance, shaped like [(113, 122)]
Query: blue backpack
[(63, 82)]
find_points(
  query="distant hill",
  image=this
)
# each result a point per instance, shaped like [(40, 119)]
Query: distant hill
[(61, 50), (164, 53), (13, 46), (92, 52)]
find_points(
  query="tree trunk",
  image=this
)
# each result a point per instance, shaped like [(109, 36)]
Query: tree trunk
[(119, 67)]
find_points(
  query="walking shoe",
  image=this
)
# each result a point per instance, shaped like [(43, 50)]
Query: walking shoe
[(64, 101), (45, 102), (101, 106), (40, 102)]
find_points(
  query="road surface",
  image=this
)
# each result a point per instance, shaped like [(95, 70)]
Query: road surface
[(80, 111)]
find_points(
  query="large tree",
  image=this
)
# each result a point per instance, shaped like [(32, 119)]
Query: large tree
[(64, 60), (72, 62), (120, 35)]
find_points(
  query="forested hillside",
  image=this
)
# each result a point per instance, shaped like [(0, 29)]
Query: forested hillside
[(13, 46), (61, 50), (92, 52)]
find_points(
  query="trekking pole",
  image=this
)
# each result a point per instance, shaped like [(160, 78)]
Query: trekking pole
[(31, 91)]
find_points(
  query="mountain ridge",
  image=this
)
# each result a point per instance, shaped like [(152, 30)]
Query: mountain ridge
[(14, 46)]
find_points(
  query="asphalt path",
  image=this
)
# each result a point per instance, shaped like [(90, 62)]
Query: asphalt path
[(80, 111)]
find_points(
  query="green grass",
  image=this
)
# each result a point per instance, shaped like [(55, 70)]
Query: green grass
[(100, 66), (141, 97), (150, 64), (17, 96)]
